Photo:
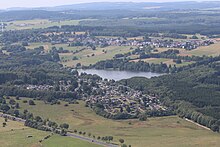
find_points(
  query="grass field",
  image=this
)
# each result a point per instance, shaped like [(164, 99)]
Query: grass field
[(18, 137), (212, 50), (163, 60), (85, 57), (60, 141), (39, 23), (167, 131), (15, 135), (99, 55), (66, 58), (48, 46)]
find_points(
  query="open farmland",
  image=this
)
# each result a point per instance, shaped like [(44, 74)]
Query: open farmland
[(48, 46), (89, 56), (15, 134), (169, 130), (61, 141), (212, 50), (86, 56), (163, 60), (39, 23)]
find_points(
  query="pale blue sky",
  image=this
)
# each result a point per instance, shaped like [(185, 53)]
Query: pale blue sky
[(41, 3)]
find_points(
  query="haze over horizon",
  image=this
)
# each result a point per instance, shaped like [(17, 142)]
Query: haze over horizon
[(50, 3)]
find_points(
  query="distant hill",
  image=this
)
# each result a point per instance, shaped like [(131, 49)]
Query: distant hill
[(130, 6), (106, 10), (137, 6)]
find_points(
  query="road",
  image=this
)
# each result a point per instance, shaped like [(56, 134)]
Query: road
[(91, 140), (68, 134), (197, 124)]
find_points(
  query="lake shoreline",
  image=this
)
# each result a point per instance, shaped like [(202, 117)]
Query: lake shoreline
[(118, 75)]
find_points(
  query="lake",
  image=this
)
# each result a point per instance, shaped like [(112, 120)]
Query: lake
[(118, 75)]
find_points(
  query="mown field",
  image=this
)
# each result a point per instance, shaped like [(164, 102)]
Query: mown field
[(15, 134), (167, 131)]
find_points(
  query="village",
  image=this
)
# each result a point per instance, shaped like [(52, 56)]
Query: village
[(74, 39), (114, 97), (122, 99)]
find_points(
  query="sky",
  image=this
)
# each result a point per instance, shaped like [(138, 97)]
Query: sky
[(45, 3)]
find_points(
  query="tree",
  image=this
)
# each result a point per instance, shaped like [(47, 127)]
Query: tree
[(24, 101), (38, 119), (121, 141), (143, 117), (78, 64), (17, 98), (110, 138), (4, 124), (17, 106), (63, 132), (25, 111), (215, 128), (24, 43), (12, 101), (31, 102), (4, 107), (16, 113), (64, 125), (194, 37)]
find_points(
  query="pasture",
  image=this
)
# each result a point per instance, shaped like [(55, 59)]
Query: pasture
[(89, 56), (86, 56), (171, 131), (16, 134)]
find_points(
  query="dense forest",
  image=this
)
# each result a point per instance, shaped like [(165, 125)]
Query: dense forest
[(36, 74)]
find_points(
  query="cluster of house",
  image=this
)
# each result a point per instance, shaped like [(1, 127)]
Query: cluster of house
[(188, 45), (87, 40), (114, 98), (37, 87), (122, 99)]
